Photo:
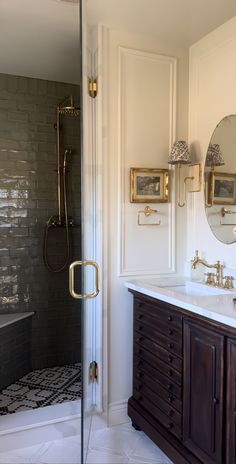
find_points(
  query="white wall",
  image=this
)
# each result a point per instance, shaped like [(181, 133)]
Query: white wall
[(138, 130), (212, 96)]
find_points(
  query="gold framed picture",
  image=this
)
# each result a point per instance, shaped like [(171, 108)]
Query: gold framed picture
[(222, 188), (149, 185)]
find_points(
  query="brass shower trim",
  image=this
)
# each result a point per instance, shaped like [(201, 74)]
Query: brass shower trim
[(62, 219), (67, 107)]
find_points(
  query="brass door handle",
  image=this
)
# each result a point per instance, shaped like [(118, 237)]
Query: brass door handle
[(72, 267)]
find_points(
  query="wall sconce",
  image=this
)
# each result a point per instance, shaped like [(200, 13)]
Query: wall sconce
[(180, 155), (214, 156)]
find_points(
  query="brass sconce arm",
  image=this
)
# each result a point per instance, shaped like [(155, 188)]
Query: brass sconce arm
[(185, 190)]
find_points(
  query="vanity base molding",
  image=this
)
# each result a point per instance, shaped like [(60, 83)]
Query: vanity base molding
[(159, 435)]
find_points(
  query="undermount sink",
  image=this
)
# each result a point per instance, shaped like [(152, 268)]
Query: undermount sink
[(192, 289)]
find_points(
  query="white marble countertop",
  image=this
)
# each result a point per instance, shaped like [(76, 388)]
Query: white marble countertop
[(218, 307)]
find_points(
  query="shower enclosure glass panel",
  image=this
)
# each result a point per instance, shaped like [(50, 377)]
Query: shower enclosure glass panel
[(40, 235)]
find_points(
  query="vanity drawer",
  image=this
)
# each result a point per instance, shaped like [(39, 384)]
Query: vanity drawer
[(159, 311), (155, 362), (168, 330), (143, 365), (142, 390), (170, 360), (153, 333), (141, 377), (165, 420)]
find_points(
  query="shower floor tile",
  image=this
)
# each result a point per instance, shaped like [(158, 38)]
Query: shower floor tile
[(40, 388)]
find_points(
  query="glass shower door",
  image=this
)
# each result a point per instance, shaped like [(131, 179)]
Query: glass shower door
[(84, 273)]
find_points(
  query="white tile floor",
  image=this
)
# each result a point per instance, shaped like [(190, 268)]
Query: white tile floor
[(123, 444), (115, 445)]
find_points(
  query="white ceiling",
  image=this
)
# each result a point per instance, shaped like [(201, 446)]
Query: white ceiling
[(40, 38), (180, 21)]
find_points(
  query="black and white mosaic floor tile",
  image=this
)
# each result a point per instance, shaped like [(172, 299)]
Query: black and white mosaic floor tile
[(42, 388)]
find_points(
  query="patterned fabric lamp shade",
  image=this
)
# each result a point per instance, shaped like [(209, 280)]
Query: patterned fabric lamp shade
[(179, 153), (214, 156)]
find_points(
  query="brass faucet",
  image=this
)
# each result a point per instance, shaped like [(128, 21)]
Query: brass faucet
[(218, 266)]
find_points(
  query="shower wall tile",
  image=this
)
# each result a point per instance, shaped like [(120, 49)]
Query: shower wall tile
[(15, 351), (28, 197)]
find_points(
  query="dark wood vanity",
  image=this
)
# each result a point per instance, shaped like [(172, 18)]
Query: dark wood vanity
[(184, 382)]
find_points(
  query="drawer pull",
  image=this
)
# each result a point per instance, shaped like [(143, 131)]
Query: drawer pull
[(139, 340), (170, 426), (140, 316), (170, 318), (170, 413), (140, 327), (170, 386), (170, 399), (139, 387), (170, 332), (170, 373), (215, 401), (170, 346), (139, 364), (139, 375), (170, 359)]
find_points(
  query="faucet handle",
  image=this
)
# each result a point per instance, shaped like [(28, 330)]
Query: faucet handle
[(196, 253), (228, 282), (210, 280)]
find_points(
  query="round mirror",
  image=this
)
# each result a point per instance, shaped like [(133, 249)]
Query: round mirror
[(220, 180)]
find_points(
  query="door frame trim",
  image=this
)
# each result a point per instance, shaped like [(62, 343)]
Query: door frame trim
[(95, 173)]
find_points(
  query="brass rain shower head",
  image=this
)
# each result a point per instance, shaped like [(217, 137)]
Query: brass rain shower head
[(67, 107), (69, 111)]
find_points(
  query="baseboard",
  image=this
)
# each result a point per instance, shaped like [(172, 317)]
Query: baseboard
[(117, 413)]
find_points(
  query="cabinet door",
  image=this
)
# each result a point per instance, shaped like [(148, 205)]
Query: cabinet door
[(203, 392), (231, 402)]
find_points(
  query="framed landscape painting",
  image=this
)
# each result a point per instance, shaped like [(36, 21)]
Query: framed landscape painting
[(149, 185)]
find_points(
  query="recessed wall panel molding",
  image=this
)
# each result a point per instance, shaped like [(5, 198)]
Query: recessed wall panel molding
[(147, 105)]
